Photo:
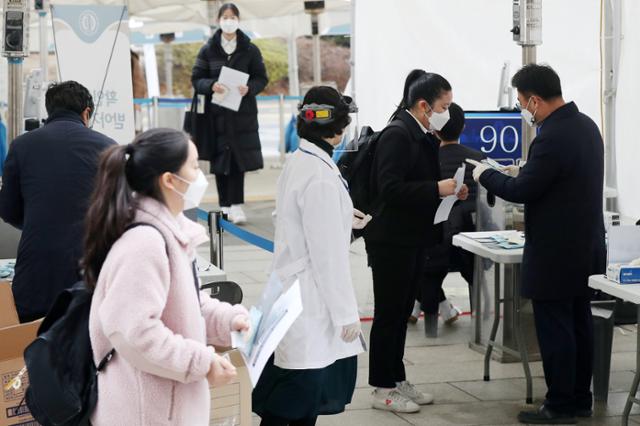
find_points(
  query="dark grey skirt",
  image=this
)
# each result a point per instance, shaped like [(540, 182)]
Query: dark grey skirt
[(298, 394)]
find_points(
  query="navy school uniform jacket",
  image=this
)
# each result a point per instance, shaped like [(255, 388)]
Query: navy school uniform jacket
[(405, 175), (561, 186)]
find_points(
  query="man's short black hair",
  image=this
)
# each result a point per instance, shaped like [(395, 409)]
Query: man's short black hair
[(538, 80), (69, 96), (328, 96), (453, 129)]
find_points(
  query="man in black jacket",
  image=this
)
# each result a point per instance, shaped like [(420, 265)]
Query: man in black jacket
[(561, 186), (48, 179)]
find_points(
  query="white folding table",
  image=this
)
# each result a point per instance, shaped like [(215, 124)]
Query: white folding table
[(469, 241), (630, 293)]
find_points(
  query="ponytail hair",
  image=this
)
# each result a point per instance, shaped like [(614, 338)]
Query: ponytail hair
[(404, 104), (125, 174), (422, 85)]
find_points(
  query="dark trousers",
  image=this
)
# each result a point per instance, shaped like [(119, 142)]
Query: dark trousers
[(231, 187), (396, 274), (430, 292), (565, 336)]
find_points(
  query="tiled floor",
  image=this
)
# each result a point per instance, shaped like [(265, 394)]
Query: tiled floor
[(444, 366)]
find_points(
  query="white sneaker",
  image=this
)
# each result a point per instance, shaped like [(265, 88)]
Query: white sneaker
[(415, 314), (410, 391), (225, 210), (448, 312), (393, 401), (237, 216)]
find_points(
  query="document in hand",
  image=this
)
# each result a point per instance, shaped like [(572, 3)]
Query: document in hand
[(444, 210), (270, 321), (231, 79)]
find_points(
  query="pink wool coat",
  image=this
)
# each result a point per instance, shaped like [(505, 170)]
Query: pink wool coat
[(146, 307)]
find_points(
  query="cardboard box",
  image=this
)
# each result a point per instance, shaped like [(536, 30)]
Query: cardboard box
[(15, 337), (231, 404)]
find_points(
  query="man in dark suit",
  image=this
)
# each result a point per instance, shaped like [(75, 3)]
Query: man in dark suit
[(48, 178), (561, 187)]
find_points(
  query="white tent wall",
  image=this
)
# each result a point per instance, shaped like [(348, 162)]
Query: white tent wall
[(627, 131), (468, 42)]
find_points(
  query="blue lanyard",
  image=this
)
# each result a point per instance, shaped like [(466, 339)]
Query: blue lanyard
[(344, 183)]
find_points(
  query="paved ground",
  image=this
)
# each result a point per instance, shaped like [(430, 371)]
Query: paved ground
[(444, 366)]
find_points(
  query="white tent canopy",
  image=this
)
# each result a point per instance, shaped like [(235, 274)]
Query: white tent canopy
[(269, 18), (469, 44)]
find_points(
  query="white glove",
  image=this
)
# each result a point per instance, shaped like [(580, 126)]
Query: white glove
[(360, 220), (351, 332), (512, 171), (479, 168)]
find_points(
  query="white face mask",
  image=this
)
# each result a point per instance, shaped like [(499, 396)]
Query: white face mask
[(229, 26), (529, 117), (438, 119), (195, 192)]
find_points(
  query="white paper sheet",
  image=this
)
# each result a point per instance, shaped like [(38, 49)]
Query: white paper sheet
[(278, 314), (231, 79), (444, 209)]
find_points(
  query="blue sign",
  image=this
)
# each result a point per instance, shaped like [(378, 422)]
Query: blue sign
[(496, 134)]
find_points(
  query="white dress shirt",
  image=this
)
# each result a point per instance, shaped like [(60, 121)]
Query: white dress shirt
[(229, 46)]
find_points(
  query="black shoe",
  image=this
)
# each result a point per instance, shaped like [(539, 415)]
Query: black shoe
[(546, 416), (584, 413)]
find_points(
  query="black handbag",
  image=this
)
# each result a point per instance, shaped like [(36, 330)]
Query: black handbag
[(190, 117), (201, 128)]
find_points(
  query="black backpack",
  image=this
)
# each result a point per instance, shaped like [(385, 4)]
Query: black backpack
[(63, 383), (356, 168)]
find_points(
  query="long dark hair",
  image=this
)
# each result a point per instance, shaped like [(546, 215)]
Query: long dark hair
[(420, 84), (124, 170)]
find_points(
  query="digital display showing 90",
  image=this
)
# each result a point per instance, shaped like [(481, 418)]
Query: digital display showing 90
[(496, 134)]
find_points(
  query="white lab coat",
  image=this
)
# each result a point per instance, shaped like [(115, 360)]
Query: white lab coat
[(313, 233)]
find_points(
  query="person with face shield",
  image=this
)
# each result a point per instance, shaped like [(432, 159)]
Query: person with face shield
[(228, 139), (406, 183), (147, 304), (313, 371), (561, 186)]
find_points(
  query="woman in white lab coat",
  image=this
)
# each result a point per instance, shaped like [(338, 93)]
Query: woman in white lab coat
[(313, 371)]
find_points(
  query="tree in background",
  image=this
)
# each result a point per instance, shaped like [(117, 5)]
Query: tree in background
[(335, 55)]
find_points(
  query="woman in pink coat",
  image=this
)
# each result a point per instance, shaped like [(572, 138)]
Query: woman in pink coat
[(147, 304)]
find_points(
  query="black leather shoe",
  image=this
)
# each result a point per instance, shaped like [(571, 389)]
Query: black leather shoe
[(584, 413), (546, 416)]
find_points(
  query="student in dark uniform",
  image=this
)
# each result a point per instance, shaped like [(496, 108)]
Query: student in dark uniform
[(561, 187), (406, 181), (443, 258), (226, 138)]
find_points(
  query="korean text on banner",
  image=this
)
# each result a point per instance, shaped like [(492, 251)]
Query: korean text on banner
[(92, 46)]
